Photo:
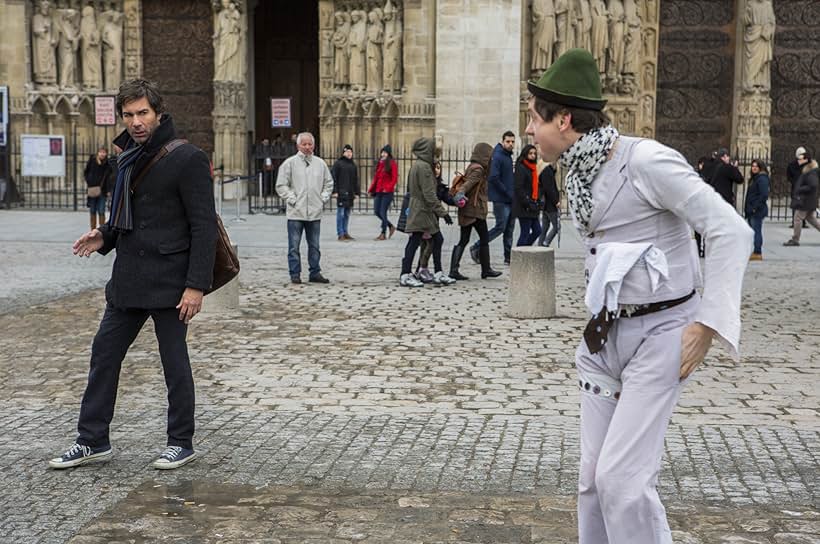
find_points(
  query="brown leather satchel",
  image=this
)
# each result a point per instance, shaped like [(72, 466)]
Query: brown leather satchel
[(226, 261)]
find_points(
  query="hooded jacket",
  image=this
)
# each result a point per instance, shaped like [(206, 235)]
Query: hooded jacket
[(425, 207), (500, 176), (475, 185), (805, 190)]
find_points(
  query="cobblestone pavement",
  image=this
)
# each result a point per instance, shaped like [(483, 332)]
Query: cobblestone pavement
[(363, 391)]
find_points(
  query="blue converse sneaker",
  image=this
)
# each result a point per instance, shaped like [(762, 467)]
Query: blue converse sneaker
[(78, 455), (174, 457)]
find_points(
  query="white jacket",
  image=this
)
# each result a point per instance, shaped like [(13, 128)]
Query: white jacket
[(305, 184), (648, 193)]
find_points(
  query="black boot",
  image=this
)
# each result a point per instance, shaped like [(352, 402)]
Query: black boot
[(484, 257), (455, 260)]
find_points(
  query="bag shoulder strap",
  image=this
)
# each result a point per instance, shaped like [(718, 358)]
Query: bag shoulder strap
[(167, 149)]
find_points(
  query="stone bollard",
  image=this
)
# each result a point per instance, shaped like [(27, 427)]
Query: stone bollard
[(532, 283), (226, 298)]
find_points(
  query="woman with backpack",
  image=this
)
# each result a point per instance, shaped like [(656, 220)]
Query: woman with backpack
[(474, 213), (423, 274), (382, 188), (528, 196)]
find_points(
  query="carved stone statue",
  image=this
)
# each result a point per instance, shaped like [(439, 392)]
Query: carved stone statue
[(649, 76), (758, 45), (112, 46), (358, 45), (582, 23), (543, 34), (228, 58), (633, 38), (68, 23), (561, 27), (341, 56), (91, 50), (43, 44), (375, 39), (616, 39), (392, 48), (600, 33)]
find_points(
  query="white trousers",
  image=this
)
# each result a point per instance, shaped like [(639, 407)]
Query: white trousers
[(628, 392)]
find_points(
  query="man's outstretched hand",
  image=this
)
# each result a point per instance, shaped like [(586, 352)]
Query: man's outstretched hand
[(88, 243)]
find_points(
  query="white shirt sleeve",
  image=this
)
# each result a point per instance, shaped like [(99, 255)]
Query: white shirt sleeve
[(664, 178)]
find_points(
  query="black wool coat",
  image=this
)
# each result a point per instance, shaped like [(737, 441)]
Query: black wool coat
[(346, 185), (724, 179), (173, 242)]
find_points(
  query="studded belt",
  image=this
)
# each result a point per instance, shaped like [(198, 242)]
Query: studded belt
[(597, 329)]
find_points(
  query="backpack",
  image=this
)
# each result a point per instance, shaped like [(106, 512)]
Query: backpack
[(457, 184)]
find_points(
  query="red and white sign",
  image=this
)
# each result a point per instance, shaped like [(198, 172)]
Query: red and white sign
[(280, 113), (105, 111)]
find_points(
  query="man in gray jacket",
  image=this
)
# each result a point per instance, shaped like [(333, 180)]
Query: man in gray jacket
[(305, 184)]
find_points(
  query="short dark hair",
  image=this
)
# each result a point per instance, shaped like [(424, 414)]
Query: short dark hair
[(508, 134), (760, 164), (135, 89), (582, 120)]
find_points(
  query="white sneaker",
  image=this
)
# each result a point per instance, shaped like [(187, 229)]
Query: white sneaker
[(409, 280), (440, 278)]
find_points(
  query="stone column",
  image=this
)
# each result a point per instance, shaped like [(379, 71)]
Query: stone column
[(751, 134), (230, 89), (133, 38)]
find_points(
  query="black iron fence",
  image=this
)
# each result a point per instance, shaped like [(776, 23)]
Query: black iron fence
[(257, 188)]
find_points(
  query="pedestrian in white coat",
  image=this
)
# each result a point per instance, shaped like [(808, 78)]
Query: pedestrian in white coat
[(635, 203), (305, 184)]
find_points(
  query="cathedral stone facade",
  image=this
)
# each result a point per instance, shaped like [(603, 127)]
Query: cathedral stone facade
[(696, 74)]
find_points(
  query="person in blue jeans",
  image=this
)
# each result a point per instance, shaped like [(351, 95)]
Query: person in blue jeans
[(755, 208), (305, 184), (382, 188), (500, 192), (345, 188)]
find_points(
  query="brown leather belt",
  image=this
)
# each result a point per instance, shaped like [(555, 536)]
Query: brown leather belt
[(597, 329)]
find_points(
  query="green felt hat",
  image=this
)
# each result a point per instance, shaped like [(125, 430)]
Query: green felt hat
[(572, 80)]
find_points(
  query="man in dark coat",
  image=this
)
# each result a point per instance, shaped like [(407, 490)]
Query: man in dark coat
[(805, 198), (346, 188), (793, 171), (163, 226), (725, 177), (500, 192)]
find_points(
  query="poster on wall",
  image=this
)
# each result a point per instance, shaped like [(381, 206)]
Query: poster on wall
[(280, 113), (4, 114), (43, 155), (105, 113)]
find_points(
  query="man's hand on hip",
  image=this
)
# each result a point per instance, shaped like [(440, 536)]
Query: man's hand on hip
[(190, 304), (88, 243), (695, 343)]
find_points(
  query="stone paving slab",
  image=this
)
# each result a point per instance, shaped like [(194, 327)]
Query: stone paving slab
[(360, 387)]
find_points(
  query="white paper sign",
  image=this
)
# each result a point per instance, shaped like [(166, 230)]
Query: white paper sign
[(43, 155)]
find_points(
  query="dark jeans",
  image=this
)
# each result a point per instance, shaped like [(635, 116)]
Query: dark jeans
[(530, 229), (342, 220), (381, 204), (757, 226), (504, 224), (480, 226), (312, 230), (551, 226), (413, 244), (117, 332)]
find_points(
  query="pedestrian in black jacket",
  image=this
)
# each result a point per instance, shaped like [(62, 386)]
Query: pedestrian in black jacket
[(552, 205), (97, 173), (793, 172), (527, 196), (163, 226), (726, 176), (755, 208), (805, 198), (346, 188)]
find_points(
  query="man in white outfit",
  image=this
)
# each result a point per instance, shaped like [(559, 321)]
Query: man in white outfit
[(635, 203)]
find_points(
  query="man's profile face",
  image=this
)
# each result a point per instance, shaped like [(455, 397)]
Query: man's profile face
[(140, 119), (508, 143), (305, 145), (546, 134)]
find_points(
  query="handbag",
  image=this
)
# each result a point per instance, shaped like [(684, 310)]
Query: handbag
[(94, 192), (226, 261)]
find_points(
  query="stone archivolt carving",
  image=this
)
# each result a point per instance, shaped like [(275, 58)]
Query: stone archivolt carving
[(358, 50), (90, 50), (341, 49), (229, 61), (44, 38), (68, 25), (758, 45), (392, 48), (375, 39), (600, 34), (543, 34), (581, 23), (112, 20)]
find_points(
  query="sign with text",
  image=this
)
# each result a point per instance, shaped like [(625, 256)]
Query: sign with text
[(105, 111), (280, 113), (4, 115), (43, 155)]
